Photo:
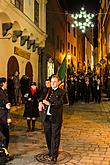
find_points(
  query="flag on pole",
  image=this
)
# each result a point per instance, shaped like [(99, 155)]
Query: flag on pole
[(62, 69), (71, 69)]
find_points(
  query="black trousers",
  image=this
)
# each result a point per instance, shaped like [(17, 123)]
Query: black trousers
[(5, 131), (52, 134)]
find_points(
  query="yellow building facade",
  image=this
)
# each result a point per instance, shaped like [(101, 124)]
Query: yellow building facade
[(72, 50), (104, 37), (22, 32)]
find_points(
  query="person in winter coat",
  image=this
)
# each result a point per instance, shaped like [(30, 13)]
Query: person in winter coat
[(24, 86), (16, 81), (4, 110), (4, 113), (31, 111), (10, 90), (98, 89)]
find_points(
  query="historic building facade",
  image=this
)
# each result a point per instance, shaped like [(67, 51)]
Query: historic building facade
[(72, 49), (22, 33), (55, 47), (104, 38), (80, 47)]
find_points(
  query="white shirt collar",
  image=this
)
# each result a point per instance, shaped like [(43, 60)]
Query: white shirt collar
[(54, 88)]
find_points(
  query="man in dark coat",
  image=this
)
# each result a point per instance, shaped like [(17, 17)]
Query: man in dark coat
[(16, 81), (4, 108), (98, 90), (10, 90), (4, 111), (52, 117), (24, 85)]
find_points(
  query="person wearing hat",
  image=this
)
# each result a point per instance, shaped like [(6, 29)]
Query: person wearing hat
[(31, 111), (4, 112), (4, 108)]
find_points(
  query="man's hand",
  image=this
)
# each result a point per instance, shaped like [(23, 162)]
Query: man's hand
[(46, 102), (41, 106)]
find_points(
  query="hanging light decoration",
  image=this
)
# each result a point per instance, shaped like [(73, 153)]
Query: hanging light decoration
[(83, 20)]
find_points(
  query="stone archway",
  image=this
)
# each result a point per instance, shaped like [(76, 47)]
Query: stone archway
[(29, 71), (12, 66)]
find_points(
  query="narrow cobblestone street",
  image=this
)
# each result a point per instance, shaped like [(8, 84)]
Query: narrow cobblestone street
[(85, 137)]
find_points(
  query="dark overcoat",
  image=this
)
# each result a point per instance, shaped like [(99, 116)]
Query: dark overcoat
[(3, 110), (31, 105), (56, 107)]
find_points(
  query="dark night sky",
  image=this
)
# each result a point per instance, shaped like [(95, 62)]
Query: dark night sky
[(75, 5), (91, 6)]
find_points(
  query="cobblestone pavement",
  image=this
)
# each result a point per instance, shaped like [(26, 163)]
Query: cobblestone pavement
[(85, 137)]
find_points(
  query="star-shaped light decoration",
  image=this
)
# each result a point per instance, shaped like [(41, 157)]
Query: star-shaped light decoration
[(83, 20)]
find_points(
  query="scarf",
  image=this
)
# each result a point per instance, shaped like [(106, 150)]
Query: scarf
[(33, 91)]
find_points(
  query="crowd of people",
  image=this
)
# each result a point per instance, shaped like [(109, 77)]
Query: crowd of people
[(46, 103), (17, 88), (12, 91), (84, 88)]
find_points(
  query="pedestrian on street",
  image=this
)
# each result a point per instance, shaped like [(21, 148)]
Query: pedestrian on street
[(44, 92), (10, 90), (31, 111), (87, 89), (16, 81), (4, 113), (98, 89), (46, 87), (24, 86), (52, 117)]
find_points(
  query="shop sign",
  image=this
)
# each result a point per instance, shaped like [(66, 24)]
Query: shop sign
[(22, 53)]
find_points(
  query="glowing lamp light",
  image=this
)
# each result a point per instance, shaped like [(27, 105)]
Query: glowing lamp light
[(69, 57), (72, 25), (82, 8), (83, 20), (72, 15)]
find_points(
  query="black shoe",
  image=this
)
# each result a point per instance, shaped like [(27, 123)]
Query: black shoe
[(49, 155), (54, 159), (28, 130), (9, 158), (32, 130)]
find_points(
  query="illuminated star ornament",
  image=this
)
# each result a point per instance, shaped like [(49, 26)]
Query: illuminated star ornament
[(83, 20)]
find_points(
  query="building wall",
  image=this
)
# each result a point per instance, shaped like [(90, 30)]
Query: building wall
[(55, 27), (104, 36), (80, 50), (88, 54), (73, 42), (23, 21)]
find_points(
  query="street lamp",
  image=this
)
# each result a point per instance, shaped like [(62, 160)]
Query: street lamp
[(83, 20)]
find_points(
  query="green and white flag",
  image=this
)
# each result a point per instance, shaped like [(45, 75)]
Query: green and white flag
[(62, 69)]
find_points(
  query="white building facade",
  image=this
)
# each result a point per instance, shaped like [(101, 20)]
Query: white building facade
[(22, 33)]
